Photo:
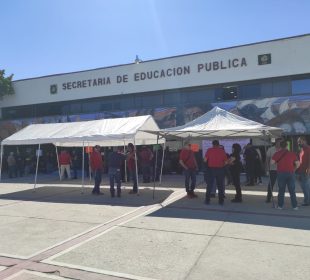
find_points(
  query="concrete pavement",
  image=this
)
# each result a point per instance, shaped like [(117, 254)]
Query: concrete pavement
[(58, 233)]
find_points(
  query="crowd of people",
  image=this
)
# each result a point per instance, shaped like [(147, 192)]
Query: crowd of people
[(282, 166)]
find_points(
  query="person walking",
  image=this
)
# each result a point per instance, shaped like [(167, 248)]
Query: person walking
[(216, 159), (304, 169), (64, 162), (235, 167), (286, 162), (115, 162), (96, 164), (272, 168), (131, 165), (188, 162)]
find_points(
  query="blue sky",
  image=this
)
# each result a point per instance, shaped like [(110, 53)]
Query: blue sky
[(43, 37)]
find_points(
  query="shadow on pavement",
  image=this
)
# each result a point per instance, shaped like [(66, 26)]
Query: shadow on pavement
[(56, 194), (253, 211)]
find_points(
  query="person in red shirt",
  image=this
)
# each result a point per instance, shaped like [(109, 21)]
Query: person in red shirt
[(146, 156), (304, 169), (64, 162), (131, 165), (96, 164), (188, 162), (286, 162), (216, 159)]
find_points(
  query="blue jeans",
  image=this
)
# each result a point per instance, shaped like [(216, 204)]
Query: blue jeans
[(286, 179), (97, 177), (305, 185), (218, 175), (190, 176), (115, 176)]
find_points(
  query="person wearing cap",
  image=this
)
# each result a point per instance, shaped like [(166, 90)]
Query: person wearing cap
[(188, 162), (216, 159), (116, 159), (131, 165), (272, 168), (96, 165)]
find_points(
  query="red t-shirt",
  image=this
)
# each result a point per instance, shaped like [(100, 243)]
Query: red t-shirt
[(96, 160), (285, 161), (64, 158), (131, 162), (216, 157), (304, 158), (188, 158)]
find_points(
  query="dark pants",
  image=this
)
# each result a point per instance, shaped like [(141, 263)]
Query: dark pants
[(218, 175), (272, 181), (286, 179), (190, 179), (133, 177), (235, 176), (250, 170), (146, 172), (97, 177), (115, 176)]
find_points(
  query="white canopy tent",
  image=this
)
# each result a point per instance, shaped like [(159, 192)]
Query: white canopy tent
[(106, 132), (218, 123)]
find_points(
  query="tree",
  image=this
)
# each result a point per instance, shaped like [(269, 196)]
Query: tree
[(6, 86)]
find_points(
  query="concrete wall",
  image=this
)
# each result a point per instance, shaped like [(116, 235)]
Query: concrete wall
[(288, 57)]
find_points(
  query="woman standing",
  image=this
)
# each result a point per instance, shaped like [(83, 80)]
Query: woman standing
[(235, 167)]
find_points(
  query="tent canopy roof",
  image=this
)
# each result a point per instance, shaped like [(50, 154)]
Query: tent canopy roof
[(218, 123), (106, 132)]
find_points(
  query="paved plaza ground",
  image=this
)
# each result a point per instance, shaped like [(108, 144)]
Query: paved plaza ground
[(61, 231)]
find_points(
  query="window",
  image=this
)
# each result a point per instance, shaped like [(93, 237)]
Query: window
[(301, 86), (230, 93), (281, 88), (250, 91), (152, 100)]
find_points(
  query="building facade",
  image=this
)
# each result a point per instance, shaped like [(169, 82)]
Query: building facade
[(268, 82)]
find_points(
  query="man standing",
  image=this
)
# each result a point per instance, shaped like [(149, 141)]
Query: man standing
[(216, 159), (146, 156), (272, 168), (188, 162), (116, 159), (64, 162), (304, 169), (131, 164), (96, 164), (286, 162)]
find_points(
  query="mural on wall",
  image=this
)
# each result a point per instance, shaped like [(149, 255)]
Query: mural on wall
[(291, 113), (164, 117)]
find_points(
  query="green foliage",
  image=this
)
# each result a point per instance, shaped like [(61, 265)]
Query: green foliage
[(6, 86)]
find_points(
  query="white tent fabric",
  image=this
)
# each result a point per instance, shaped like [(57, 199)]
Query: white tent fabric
[(218, 123), (106, 132)]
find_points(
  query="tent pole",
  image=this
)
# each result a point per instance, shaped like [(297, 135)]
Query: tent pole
[(1, 162), (83, 163), (58, 162), (155, 168), (125, 162), (37, 166), (136, 162), (162, 163)]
